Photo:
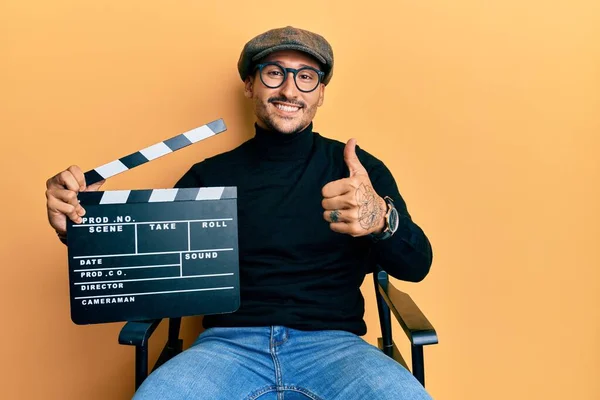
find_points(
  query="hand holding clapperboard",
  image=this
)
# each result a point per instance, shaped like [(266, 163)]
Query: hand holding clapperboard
[(149, 254)]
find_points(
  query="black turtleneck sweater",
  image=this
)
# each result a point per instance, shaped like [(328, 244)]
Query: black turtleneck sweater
[(295, 271)]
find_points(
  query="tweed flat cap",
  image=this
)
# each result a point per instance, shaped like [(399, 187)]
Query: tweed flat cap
[(288, 38)]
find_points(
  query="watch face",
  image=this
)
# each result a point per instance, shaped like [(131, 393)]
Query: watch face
[(393, 220)]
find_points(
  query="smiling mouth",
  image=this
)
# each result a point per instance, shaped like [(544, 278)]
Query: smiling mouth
[(288, 108)]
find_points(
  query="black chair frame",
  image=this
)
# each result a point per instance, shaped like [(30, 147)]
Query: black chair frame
[(390, 301)]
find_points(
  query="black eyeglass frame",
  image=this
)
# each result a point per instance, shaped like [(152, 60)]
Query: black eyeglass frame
[(286, 72)]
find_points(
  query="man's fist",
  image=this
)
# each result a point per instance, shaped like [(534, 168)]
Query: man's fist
[(351, 205), (61, 197)]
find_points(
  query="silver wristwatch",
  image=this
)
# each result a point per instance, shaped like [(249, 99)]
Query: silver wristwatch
[(391, 222)]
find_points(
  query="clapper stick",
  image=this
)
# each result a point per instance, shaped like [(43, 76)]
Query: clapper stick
[(155, 151)]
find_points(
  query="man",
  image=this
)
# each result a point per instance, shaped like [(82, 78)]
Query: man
[(312, 214)]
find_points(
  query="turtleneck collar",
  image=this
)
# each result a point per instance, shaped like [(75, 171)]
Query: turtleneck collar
[(274, 145)]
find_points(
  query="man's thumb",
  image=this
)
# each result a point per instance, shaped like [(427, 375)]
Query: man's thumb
[(94, 187), (351, 158)]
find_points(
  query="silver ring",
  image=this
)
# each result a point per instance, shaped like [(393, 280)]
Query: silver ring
[(334, 216)]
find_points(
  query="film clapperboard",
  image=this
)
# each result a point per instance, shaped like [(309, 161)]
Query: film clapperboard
[(148, 254)]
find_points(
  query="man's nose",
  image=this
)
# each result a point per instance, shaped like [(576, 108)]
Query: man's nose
[(289, 88)]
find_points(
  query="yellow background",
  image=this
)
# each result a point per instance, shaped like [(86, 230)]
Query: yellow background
[(487, 113)]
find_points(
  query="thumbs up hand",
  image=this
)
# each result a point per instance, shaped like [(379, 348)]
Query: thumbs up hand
[(351, 205)]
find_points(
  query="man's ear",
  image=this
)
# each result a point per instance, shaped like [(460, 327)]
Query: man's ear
[(321, 95), (249, 87)]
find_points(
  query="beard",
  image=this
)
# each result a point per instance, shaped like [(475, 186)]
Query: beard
[(284, 124)]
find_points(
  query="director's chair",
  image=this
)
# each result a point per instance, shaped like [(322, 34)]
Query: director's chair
[(390, 301)]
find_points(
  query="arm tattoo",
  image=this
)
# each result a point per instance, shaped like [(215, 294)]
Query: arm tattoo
[(369, 210)]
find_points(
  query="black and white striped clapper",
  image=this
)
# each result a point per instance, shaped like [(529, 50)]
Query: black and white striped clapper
[(146, 254), (155, 151)]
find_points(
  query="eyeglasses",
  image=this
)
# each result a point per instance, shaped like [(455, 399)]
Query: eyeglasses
[(273, 75)]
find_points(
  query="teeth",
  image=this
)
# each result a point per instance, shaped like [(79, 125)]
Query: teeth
[(287, 108)]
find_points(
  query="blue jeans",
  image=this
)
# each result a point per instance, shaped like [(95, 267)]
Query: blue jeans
[(278, 363)]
